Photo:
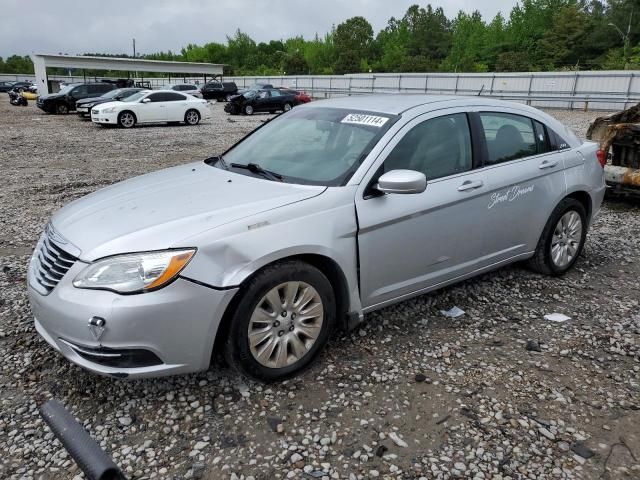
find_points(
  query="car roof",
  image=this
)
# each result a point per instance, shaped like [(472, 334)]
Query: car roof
[(398, 103)]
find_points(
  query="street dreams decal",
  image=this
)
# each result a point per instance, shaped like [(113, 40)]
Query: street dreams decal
[(359, 119), (510, 195)]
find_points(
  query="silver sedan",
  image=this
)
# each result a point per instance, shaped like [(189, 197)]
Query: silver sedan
[(332, 210)]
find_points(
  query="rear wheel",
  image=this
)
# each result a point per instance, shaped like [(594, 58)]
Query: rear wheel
[(126, 119), (562, 239), (62, 109), (283, 320), (192, 117), (248, 109)]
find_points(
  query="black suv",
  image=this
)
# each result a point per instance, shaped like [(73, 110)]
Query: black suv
[(65, 100), (219, 90)]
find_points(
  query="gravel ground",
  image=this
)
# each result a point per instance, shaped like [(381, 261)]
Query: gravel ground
[(498, 393)]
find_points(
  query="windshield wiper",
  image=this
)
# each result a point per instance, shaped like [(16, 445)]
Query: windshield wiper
[(255, 168)]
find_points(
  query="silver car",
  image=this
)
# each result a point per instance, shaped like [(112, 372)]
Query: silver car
[(332, 210)]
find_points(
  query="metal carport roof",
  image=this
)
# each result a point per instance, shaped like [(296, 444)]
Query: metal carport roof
[(42, 61)]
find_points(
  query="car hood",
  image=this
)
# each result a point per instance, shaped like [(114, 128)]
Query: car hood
[(51, 96), (93, 100), (158, 210)]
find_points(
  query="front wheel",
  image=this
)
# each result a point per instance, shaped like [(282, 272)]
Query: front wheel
[(248, 109), (126, 119), (192, 117), (562, 239), (283, 320), (62, 109)]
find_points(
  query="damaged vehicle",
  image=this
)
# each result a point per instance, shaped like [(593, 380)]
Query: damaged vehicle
[(327, 212), (619, 139)]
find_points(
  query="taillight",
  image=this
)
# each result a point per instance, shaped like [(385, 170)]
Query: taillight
[(602, 157)]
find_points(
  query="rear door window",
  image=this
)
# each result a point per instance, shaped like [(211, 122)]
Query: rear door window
[(508, 136)]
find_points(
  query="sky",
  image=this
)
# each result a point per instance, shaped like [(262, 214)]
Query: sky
[(93, 26)]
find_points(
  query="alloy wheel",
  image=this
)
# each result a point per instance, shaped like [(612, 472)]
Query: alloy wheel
[(192, 117), (127, 120), (285, 324), (287, 107), (566, 239), (248, 110)]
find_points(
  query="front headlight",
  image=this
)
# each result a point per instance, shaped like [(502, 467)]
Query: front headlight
[(134, 272), (109, 110), (88, 105)]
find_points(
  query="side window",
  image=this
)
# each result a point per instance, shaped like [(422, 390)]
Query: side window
[(276, 93), (156, 97), (263, 94), (556, 142), (542, 139), (508, 136), (173, 97), (80, 90), (437, 147)]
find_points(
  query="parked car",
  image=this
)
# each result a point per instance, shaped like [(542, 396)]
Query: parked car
[(301, 97), (83, 107), (186, 88), (219, 90), (152, 106), (65, 100), (256, 86), (6, 86), (335, 209), (253, 101), (23, 87)]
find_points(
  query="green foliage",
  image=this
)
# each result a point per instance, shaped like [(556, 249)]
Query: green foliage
[(536, 35)]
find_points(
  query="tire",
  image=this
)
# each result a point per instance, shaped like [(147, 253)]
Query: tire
[(248, 109), (284, 334), (287, 107), (62, 109), (558, 249), (192, 117), (127, 119), (228, 98)]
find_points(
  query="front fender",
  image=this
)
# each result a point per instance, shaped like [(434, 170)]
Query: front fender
[(324, 225)]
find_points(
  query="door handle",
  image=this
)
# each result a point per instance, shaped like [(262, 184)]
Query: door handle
[(469, 185), (548, 164)]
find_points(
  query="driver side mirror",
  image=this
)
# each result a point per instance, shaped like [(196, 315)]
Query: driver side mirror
[(402, 182), (145, 100)]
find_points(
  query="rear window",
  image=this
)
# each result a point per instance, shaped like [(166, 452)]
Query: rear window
[(508, 137)]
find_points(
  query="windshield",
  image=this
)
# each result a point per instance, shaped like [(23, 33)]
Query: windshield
[(314, 146), (135, 97), (112, 93), (66, 88)]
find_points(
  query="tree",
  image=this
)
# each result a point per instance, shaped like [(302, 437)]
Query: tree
[(353, 40), (561, 45), (468, 44)]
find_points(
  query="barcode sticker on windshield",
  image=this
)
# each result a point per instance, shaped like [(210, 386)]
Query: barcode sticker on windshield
[(361, 119)]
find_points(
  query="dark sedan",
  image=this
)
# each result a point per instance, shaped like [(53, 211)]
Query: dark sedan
[(267, 100), (84, 106), (6, 86)]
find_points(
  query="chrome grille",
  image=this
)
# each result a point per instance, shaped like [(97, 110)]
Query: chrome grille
[(51, 264)]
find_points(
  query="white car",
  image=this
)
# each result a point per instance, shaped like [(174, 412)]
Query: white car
[(189, 88), (154, 106)]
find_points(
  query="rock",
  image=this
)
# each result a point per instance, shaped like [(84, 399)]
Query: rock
[(397, 440), (296, 457), (543, 431), (533, 346), (581, 449), (125, 421), (380, 451), (420, 377)]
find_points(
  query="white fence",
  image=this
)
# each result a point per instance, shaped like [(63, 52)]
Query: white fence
[(597, 90), (601, 90)]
